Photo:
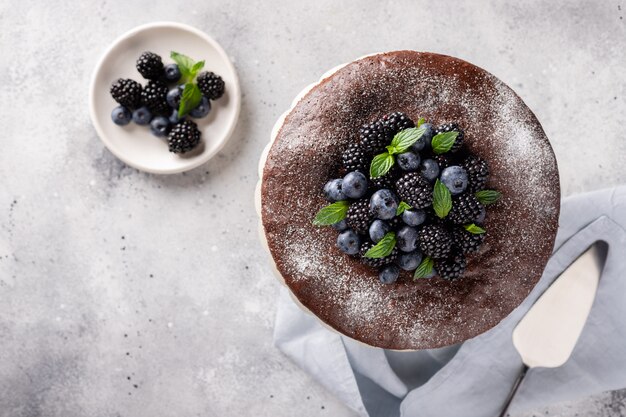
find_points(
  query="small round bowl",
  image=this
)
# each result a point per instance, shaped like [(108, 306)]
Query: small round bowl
[(135, 145)]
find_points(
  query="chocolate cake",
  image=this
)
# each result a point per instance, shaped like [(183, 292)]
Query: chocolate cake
[(346, 294)]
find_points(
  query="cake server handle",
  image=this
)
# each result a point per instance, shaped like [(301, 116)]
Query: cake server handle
[(516, 386)]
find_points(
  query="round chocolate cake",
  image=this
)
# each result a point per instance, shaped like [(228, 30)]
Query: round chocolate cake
[(341, 290)]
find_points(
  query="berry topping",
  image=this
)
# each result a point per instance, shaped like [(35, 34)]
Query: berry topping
[(452, 127), (389, 274), (384, 204), (396, 122), (415, 190), (477, 172), (359, 216), (455, 178), (435, 241), (348, 242), (333, 191), (354, 184), (452, 267), (378, 230), (374, 137), (408, 161), (409, 261), (354, 158), (418, 204), (429, 169), (465, 209)]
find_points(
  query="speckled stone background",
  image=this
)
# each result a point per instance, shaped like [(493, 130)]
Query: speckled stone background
[(128, 294)]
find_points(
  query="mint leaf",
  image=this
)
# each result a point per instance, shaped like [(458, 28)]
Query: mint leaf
[(421, 121), (402, 207), (331, 214), (474, 229), (404, 139), (196, 68), (184, 65), (443, 142), (442, 200), (381, 164), (488, 196), (383, 248), (424, 269), (192, 96)]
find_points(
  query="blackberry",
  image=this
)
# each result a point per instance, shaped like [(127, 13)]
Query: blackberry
[(477, 172), (465, 209), (451, 268), (449, 127), (434, 241), (183, 137), (415, 190), (359, 216), (126, 92), (374, 137), (444, 161), (211, 85), (377, 262), (465, 241), (150, 66), (388, 180), (154, 97), (354, 158), (397, 121)]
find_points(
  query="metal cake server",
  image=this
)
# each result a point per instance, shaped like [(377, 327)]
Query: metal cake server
[(547, 334)]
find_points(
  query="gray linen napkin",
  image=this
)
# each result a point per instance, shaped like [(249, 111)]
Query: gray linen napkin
[(473, 379)]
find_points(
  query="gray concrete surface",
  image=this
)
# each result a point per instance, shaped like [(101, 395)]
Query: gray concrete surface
[(128, 294)]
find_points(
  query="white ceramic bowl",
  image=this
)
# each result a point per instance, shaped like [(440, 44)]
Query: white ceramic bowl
[(135, 145)]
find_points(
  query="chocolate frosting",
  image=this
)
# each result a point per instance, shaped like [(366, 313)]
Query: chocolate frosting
[(521, 227)]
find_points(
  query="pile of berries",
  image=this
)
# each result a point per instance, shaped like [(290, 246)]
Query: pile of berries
[(411, 198), (158, 102)]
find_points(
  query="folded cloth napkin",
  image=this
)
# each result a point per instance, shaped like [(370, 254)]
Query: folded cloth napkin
[(473, 379)]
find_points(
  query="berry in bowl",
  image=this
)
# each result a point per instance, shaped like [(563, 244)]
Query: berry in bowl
[(157, 108)]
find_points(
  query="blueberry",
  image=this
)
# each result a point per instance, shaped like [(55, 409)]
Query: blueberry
[(389, 274), (202, 109), (340, 226), (455, 178), (481, 216), (121, 115), (174, 117), (378, 230), (408, 161), (406, 239), (384, 204), (354, 185), (333, 190), (414, 217), (172, 73), (349, 242), (174, 96), (160, 126), (409, 261), (429, 169), (425, 139), (142, 116)]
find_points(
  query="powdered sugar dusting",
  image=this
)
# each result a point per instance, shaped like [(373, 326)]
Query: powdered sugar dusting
[(521, 227)]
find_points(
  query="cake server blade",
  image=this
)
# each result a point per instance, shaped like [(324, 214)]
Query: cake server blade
[(547, 334)]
